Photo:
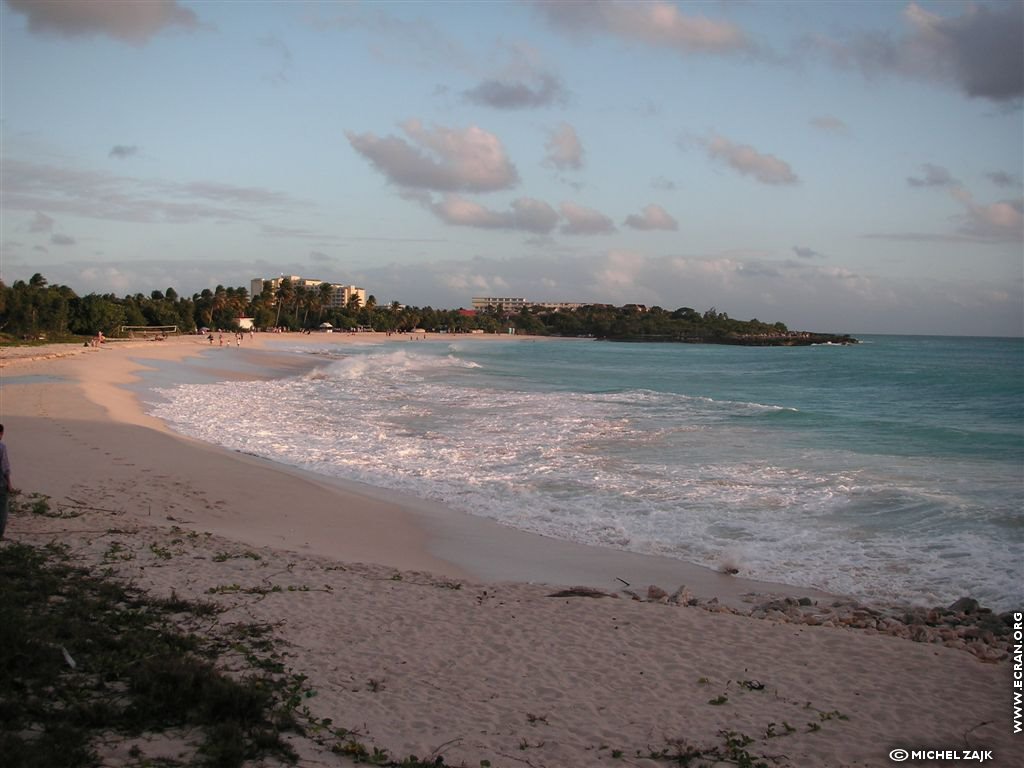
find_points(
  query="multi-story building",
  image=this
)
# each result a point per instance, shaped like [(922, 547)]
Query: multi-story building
[(516, 304), (340, 295), (256, 285), (504, 304)]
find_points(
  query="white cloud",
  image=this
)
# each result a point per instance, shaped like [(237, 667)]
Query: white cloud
[(617, 274), (41, 223), (652, 217), (1004, 179), (978, 52), (584, 221), (829, 124), (37, 187), (766, 168), (416, 43), (123, 152), (283, 56), (1002, 221), (934, 176), (565, 152), (525, 214), (440, 159), (659, 24), (113, 277), (131, 22), (998, 222), (546, 90), (807, 253), (467, 282)]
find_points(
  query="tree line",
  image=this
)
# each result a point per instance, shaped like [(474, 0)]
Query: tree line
[(39, 308), (34, 309)]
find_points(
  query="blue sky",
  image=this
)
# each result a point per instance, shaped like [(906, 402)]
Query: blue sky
[(842, 166)]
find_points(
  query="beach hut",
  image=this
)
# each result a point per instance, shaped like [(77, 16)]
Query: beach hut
[(326, 328)]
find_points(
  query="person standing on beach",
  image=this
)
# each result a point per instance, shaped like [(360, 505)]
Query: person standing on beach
[(5, 482)]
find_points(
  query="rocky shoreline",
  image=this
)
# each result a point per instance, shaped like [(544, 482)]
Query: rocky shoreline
[(789, 339), (964, 624)]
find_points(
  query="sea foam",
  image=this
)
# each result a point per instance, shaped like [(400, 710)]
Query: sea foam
[(620, 459)]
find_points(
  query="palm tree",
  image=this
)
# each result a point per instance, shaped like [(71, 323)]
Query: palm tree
[(285, 292), (326, 292), (371, 302), (301, 294), (314, 302)]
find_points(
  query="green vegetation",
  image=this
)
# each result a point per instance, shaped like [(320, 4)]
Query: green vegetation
[(87, 662), (85, 658), (733, 750), (638, 323), (36, 310), (89, 665)]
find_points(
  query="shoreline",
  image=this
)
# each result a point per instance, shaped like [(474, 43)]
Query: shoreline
[(421, 533), (450, 541), (376, 600)]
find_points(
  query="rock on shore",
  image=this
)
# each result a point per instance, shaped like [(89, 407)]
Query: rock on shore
[(964, 624)]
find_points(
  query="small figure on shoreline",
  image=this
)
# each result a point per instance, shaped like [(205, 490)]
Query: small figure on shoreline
[(6, 489)]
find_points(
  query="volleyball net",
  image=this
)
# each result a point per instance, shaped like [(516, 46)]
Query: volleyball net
[(149, 331)]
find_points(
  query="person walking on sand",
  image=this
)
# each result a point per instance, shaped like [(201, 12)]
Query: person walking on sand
[(5, 483)]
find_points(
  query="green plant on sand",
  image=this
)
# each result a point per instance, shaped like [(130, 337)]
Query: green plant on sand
[(85, 657)]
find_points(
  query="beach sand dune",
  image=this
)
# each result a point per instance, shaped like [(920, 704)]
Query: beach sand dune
[(419, 656)]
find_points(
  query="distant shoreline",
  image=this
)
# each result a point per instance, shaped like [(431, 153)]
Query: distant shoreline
[(787, 340)]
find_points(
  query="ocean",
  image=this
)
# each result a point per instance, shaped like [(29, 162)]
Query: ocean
[(892, 470)]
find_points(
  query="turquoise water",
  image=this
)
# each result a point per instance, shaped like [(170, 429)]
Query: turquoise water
[(890, 470)]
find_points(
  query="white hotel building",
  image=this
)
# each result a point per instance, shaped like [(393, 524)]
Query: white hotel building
[(341, 295)]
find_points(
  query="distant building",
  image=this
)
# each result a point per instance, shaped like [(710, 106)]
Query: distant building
[(340, 295), (555, 306), (494, 302), (256, 286), (516, 304)]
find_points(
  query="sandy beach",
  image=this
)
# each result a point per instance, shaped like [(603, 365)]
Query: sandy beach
[(431, 632)]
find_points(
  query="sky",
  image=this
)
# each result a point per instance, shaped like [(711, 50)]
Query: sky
[(846, 167)]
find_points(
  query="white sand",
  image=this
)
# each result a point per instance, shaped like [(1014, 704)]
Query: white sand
[(417, 649)]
